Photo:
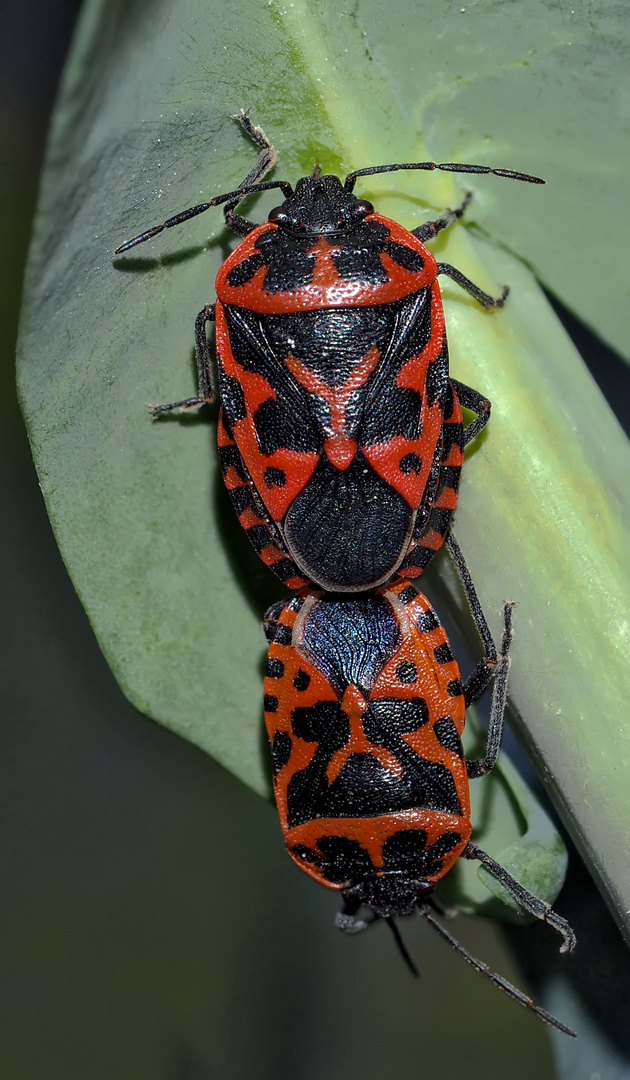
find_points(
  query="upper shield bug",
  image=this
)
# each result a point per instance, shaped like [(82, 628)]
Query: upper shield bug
[(364, 709), (340, 433)]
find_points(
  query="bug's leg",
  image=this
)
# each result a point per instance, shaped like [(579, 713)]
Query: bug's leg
[(429, 229), (270, 619), (257, 136), (499, 698), (347, 919), (498, 980), (266, 161), (540, 909), (238, 224), (433, 519), (482, 297), (444, 912), (492, 665), (486, 667), (477, 403), (207, 390), (205, 375)]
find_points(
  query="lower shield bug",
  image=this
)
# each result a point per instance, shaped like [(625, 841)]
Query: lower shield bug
[(364, 709)]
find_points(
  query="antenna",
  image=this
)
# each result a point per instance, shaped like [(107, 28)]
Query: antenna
[(402, 948), (448, 166), (235, 196)]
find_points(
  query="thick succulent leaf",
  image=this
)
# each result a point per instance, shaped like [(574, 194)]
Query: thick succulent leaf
[(143, 130), (543, 86), (544, 518)]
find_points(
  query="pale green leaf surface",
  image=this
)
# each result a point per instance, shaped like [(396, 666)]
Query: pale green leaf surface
[(544, 516), (143, 130), (542, 86)]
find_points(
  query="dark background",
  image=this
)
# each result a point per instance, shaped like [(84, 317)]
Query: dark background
[(150, 922)]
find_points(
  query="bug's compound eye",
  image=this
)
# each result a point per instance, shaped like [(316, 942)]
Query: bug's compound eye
[(277, 214), (363, 206)]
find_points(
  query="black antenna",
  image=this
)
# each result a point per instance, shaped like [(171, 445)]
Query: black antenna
[(502, 983), (448, 166), (402, 948), (236, 196)]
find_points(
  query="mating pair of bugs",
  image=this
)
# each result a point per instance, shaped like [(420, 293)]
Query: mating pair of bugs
[(341, 443)]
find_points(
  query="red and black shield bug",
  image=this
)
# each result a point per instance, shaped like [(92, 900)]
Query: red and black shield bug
[(364, 710), (340, 434)]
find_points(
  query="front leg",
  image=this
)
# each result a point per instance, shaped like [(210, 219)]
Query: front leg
[(207, 389), (430, 229), (477, 403), (487, 301), (266, 161)]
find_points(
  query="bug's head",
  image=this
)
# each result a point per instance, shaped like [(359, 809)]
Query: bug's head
[(389, 894), (319, 206)]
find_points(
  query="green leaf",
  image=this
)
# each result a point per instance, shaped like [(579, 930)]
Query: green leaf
[(542, 86), (142, 130)]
